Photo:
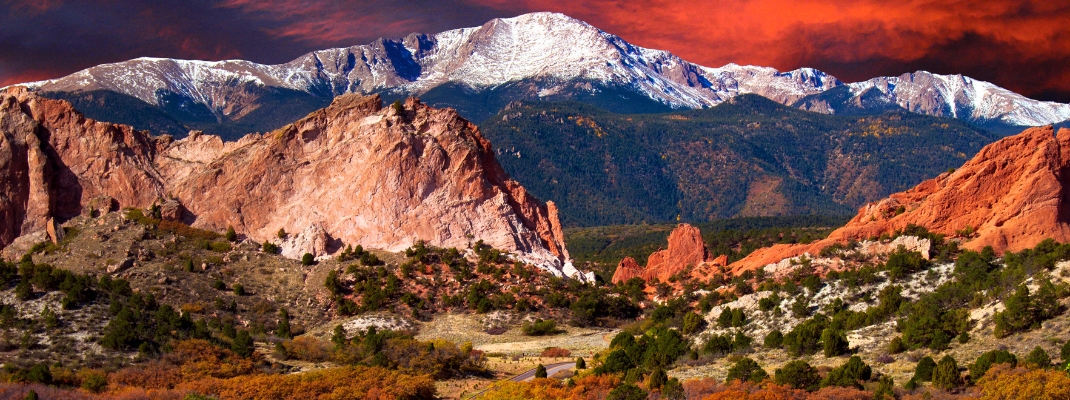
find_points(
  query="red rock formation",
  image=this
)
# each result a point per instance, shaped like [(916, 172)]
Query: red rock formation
[(53, 161), (383, 178), (686, 249), (627, 269), (1014, 193)]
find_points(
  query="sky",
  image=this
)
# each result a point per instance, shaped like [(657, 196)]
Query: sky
[(1021, 45)]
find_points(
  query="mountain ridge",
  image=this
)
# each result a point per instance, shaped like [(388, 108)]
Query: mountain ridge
[(551, 55)]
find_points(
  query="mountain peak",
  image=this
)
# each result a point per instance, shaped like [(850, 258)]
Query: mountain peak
[(528, 57)]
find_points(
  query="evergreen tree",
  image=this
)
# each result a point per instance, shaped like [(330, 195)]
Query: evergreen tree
[(339, 337), (946, 375), (673, 390), (1038, 358), (746, 369), (540, 371), (987, 360), (924, 371), (850, 374), (657, 379), (834, 342), (580, 364), (242, 344), (798, 374), (283, 329)]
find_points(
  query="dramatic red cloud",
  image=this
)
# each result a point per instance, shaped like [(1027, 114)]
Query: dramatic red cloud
[(1024, 45)]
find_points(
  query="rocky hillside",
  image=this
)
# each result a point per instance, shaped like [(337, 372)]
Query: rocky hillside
[(478, 70), (746, 157), (406, 173), (1010, 196)]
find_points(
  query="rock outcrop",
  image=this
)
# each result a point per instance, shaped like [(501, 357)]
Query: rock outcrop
[(686, 250), (1012, 195), (353, 173)]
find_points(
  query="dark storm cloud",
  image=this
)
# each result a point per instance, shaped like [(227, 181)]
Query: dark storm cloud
[(1021, 45)]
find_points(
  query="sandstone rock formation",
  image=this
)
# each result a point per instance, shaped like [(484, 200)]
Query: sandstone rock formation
[(1013, 194), (360, 173), (686, 249)]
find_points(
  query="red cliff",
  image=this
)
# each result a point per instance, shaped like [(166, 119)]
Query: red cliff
[(355, 171), (1013, 194)]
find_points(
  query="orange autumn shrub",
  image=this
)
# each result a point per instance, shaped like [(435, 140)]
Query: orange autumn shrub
[(700, 388), (308, 349), (840, 393), (342, 383), (590, 387), (538, 389), (555, 352), (739, 390), (1003, 382), (151, 375), (191, 360)]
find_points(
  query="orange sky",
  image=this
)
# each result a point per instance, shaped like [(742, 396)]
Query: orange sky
[(1021, 45)]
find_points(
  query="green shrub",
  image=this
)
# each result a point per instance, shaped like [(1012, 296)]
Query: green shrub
[(308, 259), (1065, 352), (773, 340), (987, 360), (693, 323), (540, 371), (231, 235), (239, 290), (242, 344), (834, 342), (540, 327), (946, 375), (805, 338), (627, 391), (850, 374), (24, 291), (800, 308), (673, 390), (902, 262), (896, 345), (746, 369), (580, 364), (269, 248), (219, 247), (1024, 312), (657, 379), (798, 374), (924, 371), (283, 329), (95, 382), (1038, 358)]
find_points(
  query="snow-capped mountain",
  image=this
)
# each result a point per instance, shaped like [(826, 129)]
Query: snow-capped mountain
[(553, 55)]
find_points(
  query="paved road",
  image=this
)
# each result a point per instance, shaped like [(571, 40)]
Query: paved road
[(551, 369), (528, 375)]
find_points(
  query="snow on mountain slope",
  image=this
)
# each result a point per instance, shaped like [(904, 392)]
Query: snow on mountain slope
[(962, 97), (539, 45), (553, 49)]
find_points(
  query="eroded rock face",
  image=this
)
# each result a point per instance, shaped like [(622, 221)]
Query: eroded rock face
[(360, 173), (1013, 194), (53, 160), (686, 249)]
